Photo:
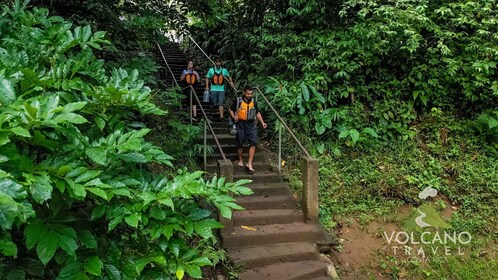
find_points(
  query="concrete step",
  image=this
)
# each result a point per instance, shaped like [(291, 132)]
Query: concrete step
[(258, 256), (226, 140), (267, 217), (261, 166), (262, 189), (267, 202), (276, 233), (258, 177), (261, 177), (287, 271), (212, 158)]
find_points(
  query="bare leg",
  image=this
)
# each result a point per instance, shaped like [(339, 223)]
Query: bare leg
[(194, 111), (221, 109), (241, 161), (252, 151)]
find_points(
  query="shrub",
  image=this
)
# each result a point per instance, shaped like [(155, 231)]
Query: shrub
[(77, 197)]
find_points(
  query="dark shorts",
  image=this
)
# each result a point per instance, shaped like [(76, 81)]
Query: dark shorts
[(217, 98), (246, 131)]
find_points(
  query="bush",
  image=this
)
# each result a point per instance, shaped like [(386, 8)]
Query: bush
[(77, 197)]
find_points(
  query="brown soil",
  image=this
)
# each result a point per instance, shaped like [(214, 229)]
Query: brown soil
[(362, 246)]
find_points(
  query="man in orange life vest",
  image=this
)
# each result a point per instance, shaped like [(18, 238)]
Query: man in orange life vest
[(216, 77), (244, 112), (190, 77)]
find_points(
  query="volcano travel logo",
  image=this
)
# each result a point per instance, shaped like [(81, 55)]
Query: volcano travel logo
[(422, 235), (427, 192)]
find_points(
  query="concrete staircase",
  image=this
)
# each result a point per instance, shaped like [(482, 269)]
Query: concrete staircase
[(270, 239)]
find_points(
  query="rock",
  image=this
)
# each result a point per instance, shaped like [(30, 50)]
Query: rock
[(331, 272)]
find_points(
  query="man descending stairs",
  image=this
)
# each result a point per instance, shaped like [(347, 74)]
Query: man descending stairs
[(269, 238)]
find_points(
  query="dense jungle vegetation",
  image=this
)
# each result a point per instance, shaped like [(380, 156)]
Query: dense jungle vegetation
[(391, 96)]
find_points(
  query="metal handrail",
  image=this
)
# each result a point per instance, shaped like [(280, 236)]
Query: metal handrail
[(285, 125), (172, 75), (208, 123), (202, 110), (309, 170)]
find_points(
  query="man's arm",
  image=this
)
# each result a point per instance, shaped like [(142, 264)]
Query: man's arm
[(209, 75), (229, 77), (232, 113), (260, 119)]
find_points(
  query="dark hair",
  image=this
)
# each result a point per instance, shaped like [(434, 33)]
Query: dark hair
[(246, 88), (217, 59)]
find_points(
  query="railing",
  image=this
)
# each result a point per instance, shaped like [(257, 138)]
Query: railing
[(309, 169), (224, 167), (167, 65)]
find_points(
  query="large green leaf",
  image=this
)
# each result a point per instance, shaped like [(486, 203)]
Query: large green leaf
[(194, 271), (93, 265), (87, 239), (205, 227), (67, 244), (7, 247), (78, 190), (40, 187), (355, 135), (70, 118), (34, 231), (20, 131), (112, 272), (87, 175), (97, 154), (12, 189), (7, 92), (70, 270), (492, 123), (47, 245), (133, 157), (9, 211), (133, 220)]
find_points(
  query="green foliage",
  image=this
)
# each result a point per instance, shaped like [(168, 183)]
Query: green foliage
[(398, 58), (78, 198), (487, 123)]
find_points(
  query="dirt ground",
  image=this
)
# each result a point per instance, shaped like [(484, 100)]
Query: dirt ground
[(363, 245)]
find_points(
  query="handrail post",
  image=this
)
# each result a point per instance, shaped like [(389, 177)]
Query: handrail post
[(279, 149), (205, 144), (309, 170), (190, 106), (224, 168)]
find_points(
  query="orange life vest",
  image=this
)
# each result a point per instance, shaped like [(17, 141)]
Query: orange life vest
[(218, 78), (246, 112), (190, 78)]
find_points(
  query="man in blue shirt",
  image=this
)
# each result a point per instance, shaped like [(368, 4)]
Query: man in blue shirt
[(215, 78)]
